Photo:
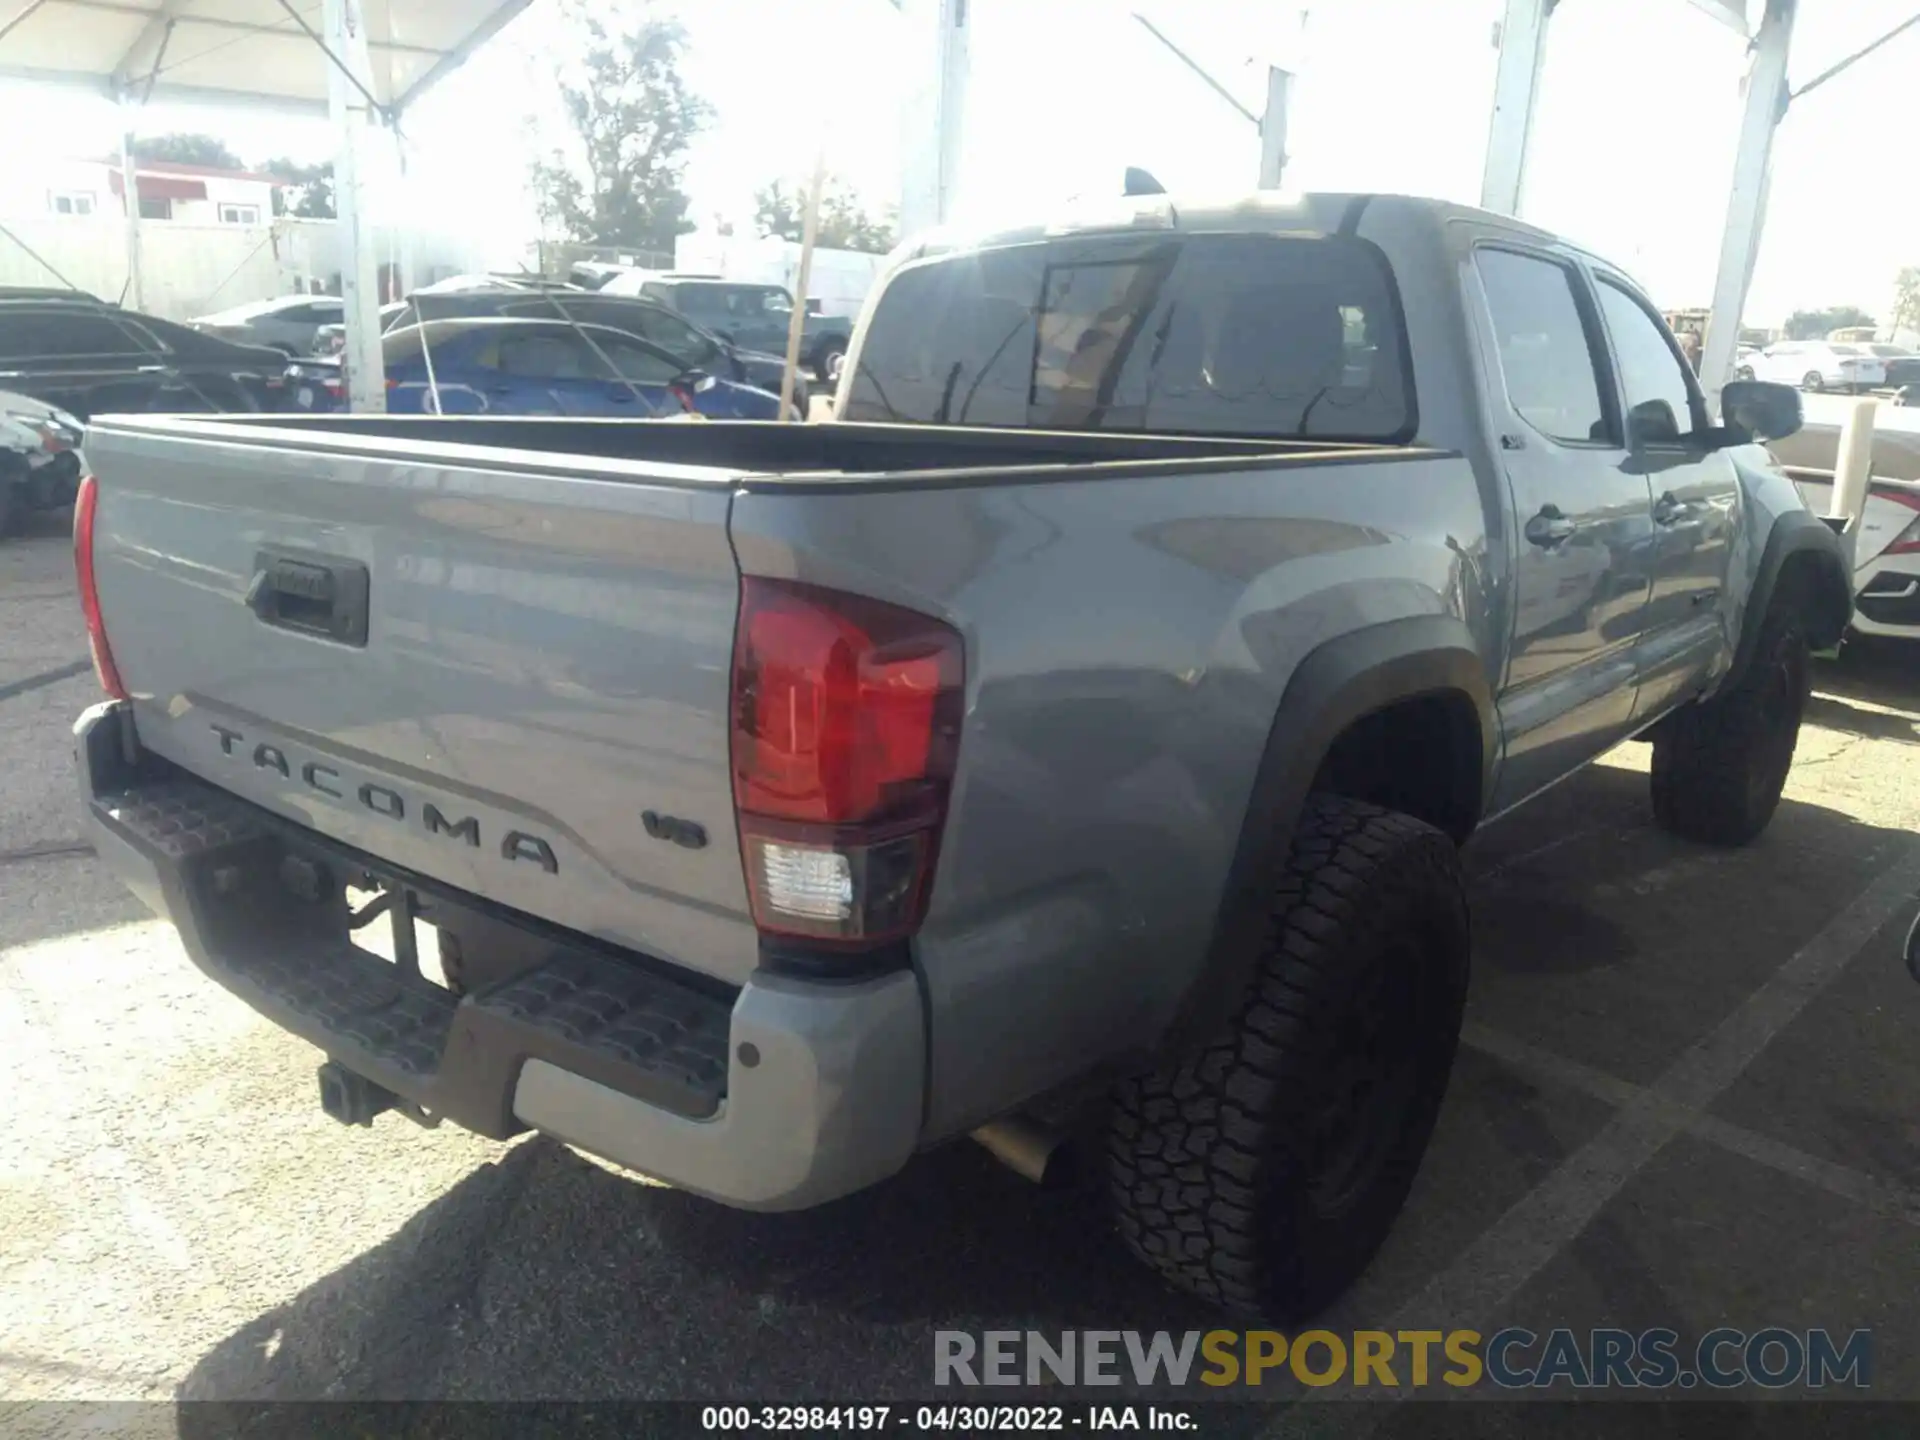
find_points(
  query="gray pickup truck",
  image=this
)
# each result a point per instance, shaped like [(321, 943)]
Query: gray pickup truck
[(1079, 733)]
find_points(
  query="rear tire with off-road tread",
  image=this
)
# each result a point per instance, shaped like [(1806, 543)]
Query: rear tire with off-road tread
[(1263, 1171), (1719, 765)]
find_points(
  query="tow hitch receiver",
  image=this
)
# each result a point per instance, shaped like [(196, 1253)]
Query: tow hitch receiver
[(352, 1099)]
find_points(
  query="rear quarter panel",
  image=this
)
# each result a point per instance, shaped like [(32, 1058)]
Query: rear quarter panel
[(1128, 640)]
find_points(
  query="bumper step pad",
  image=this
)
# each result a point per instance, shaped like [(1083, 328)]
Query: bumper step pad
[(618, 1022)]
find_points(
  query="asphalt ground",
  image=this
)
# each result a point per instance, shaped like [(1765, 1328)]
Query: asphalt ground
[(1688, 1097)]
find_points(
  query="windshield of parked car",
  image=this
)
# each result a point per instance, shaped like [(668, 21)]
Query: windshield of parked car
[(1890, 352), (1844, 349), (1207, 334)]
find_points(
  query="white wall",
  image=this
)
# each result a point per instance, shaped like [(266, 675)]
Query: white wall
[(186, 270), (192, 269)]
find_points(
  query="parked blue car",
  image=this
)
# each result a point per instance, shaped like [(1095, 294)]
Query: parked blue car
[(486, 365)]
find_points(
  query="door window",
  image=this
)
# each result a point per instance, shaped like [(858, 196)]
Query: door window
[(1546, 358), (543, 357), (1660, 402)]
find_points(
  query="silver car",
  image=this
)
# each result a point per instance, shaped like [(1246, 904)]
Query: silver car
[(287, 323)]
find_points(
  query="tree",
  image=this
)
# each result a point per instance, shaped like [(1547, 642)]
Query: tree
[(306, 191), (186, 149), (1818, 324), (1906, 299), (780, 209), (618, 180)]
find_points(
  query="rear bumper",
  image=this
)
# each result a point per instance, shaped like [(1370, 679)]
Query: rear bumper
[(780, 1096)]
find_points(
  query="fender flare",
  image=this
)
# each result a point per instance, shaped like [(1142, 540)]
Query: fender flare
[(1797, 532), (1338, 683)]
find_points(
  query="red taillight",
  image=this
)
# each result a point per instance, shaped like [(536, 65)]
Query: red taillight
[(846, 726), (85, 505)]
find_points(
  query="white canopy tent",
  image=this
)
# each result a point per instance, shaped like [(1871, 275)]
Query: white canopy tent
[(359, 62), (1765, 25)]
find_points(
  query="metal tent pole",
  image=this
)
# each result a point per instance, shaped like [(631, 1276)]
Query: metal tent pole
[(1523, 50), (1273, 128), (350, 105), (937, 113), (129, 183), (1766, 102)]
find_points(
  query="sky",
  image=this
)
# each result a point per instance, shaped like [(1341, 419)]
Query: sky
[(1633, 137)]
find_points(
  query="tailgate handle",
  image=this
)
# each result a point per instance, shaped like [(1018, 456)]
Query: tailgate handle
[(320, 595)]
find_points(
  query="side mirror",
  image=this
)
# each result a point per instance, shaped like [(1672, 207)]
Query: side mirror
[(1652, 422), (1761, 408)]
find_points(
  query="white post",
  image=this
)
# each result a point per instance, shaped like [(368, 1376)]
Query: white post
[(1273, 128), (1853, 474), (936, 112), (130, 185), (1765, 103), (344, 29), (1523, 50)]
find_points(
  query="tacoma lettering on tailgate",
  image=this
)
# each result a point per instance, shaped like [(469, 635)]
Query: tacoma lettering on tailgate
[(384, 800)]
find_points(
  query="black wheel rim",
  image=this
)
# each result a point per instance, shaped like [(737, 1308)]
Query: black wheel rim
[(1778, 699), (1370, 1077)]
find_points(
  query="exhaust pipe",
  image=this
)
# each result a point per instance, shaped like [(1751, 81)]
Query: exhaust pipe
[(1027, 1149)]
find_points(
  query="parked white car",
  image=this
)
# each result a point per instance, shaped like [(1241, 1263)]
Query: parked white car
[(1819, 365), (1886, 555)]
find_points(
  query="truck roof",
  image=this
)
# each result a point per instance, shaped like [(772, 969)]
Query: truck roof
[(1278, 211)]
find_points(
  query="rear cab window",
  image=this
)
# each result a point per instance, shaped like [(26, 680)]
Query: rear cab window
[(1211, 334)]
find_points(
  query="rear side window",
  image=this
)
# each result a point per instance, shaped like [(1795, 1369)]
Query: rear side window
[(628, 361), (664, 329), (1546, 358), (67, 331), (1208, 334)]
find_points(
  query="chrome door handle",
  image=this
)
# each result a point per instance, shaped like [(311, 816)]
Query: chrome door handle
[(1549, 527), (1670, 510)]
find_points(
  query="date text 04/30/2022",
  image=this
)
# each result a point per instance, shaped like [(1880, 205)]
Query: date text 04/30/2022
[(812, 1419)]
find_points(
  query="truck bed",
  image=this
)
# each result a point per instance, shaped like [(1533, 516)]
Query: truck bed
[(751, 454)]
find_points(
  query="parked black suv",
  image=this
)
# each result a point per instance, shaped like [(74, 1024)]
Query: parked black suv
[(753, 315), (91, 358)]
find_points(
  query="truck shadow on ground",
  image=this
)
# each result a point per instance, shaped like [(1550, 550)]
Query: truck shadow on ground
[(547, 1276)]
